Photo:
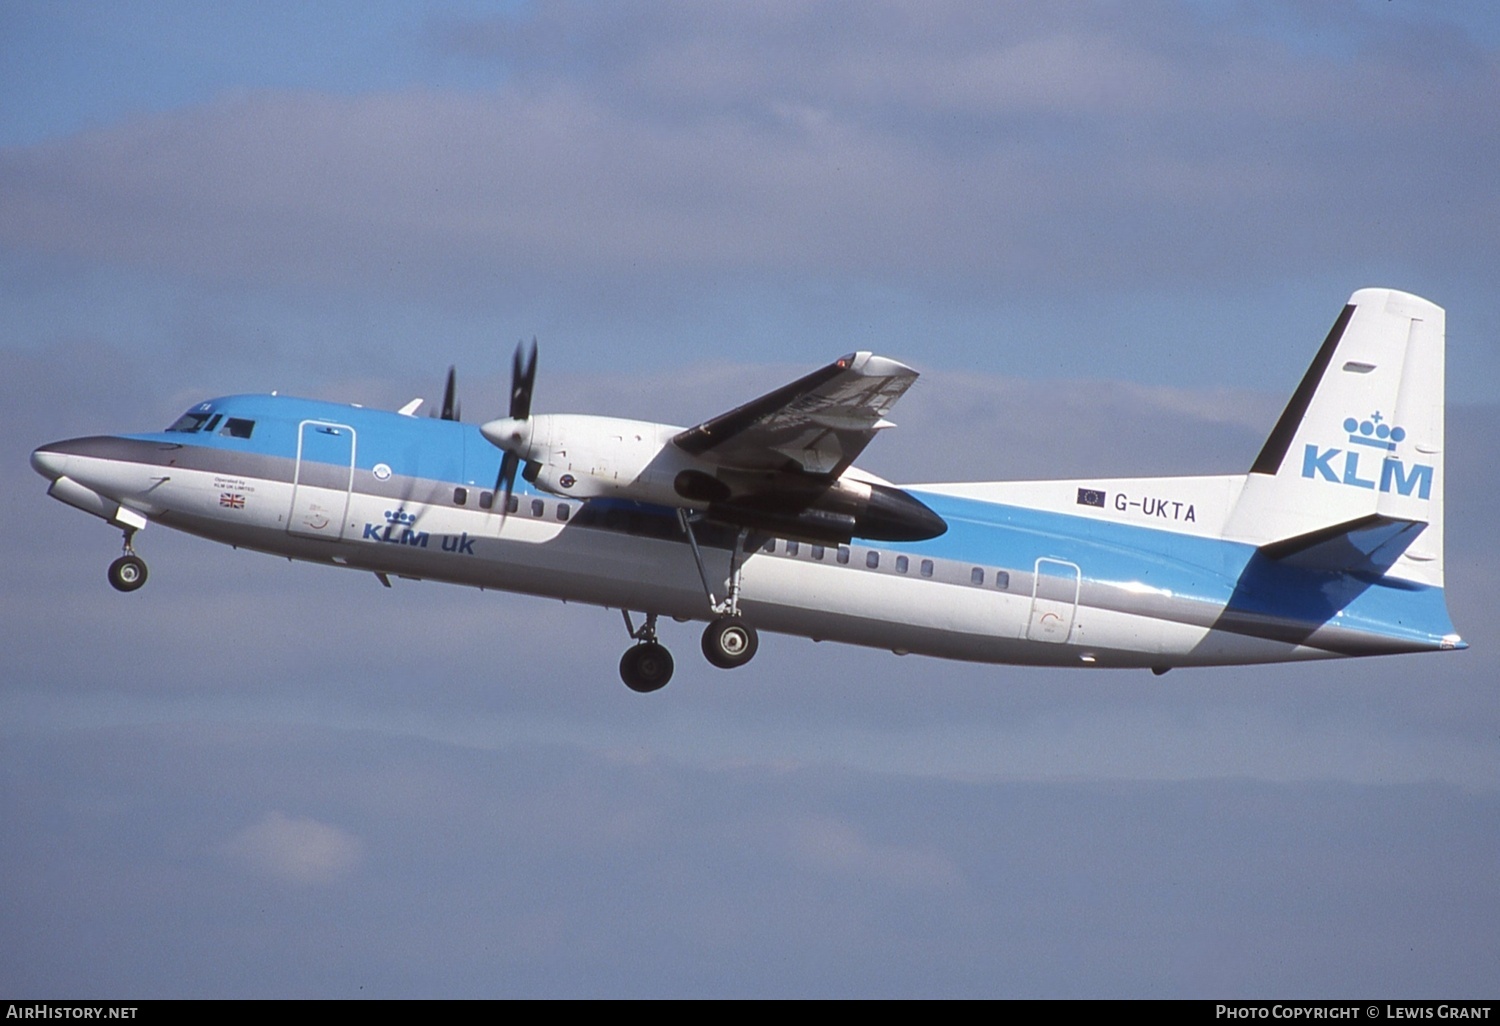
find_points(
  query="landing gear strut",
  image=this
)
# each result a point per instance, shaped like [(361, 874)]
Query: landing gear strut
[(129, 571), (728, 641), (647, 665)]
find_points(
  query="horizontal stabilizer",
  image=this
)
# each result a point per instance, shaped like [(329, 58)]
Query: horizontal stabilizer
[(1370, 544)]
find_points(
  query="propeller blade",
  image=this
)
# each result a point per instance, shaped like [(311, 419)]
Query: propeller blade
[(450, 400), (522, 378), (506, 480)]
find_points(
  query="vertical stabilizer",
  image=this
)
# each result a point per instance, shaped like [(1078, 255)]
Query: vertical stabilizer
[(1361, 438)]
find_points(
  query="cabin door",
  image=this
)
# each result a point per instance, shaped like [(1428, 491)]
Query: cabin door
[(1054, 601), (321, 481)]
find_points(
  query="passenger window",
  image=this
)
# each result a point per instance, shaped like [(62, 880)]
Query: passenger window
[(770, 545), (792, 548), (486, 500), (872, 559), (901, 564), (817, 552), (976, 576), (562, 511), (538, 507), (461, 496), (926, 568), (237, 428), (512, 503), (843, 556), (1002, 579)]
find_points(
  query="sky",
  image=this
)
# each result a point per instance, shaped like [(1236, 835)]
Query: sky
[(1109, 235)]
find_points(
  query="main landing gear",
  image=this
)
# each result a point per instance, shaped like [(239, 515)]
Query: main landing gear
[(129, 571), (647, 665), (728, 641)]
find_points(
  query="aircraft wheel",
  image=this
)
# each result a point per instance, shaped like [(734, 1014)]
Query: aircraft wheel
[(127, 573), (729, 642), (646, 667)]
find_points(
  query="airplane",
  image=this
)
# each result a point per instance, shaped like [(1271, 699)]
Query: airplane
[(758, 520)]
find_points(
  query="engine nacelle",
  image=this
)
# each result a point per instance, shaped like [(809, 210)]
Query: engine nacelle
[(848, 509), (588, 457)]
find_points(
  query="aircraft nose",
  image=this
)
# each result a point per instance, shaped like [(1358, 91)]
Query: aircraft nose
[(50, 463)]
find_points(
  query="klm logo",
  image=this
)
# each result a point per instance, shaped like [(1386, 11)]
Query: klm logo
[(1383, 469), (397, 530), (400, 529)]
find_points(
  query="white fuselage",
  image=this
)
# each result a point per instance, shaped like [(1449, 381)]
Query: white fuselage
[(1059, 603)]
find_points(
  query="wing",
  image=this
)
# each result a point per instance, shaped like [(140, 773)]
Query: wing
[(816, 425)]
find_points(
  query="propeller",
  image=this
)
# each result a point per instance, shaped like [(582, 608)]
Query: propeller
[(449, 409), (512, 431), (522, 378), (450, 399)]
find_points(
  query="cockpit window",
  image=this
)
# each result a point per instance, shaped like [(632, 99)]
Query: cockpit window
[(189, 422), (234, 427)]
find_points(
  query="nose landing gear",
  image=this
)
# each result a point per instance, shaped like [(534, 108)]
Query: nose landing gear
[(129, 571)]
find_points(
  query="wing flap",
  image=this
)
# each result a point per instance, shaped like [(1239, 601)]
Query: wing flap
[(816, 425)]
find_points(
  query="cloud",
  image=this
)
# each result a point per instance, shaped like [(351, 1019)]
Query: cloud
[(295, 850), (835, 847), (819, 881), (955, 149)]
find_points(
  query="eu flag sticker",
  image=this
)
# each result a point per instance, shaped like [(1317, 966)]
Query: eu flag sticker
[(1090, 497)]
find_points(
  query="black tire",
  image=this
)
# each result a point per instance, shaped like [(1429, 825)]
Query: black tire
[(729, 642), (127, 573), (646, 667)]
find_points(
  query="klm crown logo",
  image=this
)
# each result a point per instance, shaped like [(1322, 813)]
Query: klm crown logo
[(1374, 432), (1363, 435)]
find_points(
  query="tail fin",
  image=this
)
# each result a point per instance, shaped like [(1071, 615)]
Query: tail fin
[(1361, 441)]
